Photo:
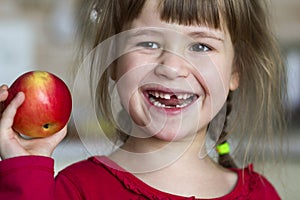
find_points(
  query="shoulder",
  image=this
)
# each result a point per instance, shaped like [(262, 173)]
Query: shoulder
[(92, 172), (89, 168), (254, 185), (94, 178)]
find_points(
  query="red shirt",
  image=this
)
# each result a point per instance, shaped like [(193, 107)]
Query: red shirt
[(32, 177)]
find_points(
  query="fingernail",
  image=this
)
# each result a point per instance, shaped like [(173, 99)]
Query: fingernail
[(3, 87), (20, 94)]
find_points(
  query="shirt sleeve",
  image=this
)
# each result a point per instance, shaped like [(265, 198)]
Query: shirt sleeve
[(32, 177), (266, 190), (260, 187)]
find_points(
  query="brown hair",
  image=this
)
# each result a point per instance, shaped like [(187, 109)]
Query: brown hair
[(258, 104)]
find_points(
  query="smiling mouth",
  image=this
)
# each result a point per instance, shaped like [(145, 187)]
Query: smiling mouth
[(170, 100)]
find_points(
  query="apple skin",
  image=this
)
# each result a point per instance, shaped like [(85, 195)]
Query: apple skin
[(47, 106)]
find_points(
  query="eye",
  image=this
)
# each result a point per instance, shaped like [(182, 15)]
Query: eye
[(199, 48), (149, 45)]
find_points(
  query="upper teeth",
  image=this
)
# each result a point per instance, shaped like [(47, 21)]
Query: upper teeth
[(158, 104), (168, 96)]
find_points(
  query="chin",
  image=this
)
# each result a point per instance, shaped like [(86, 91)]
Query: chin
[(174, 136)]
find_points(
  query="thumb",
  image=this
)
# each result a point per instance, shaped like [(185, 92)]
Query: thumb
[(44, 146), (56, 138)]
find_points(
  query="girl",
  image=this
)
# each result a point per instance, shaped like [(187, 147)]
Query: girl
[(181, 70)]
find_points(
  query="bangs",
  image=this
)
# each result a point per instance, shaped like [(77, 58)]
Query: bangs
[(191, 12)]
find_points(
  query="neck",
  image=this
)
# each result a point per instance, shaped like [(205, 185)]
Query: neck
[(151, 154), (178, 167)]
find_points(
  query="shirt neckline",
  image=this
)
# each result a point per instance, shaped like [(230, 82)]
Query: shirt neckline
[(132, 182)]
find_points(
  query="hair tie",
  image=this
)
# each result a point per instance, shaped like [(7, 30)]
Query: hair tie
[(95, 14), (223, 148)]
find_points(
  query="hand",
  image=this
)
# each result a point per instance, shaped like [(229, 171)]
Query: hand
[(11, 143)]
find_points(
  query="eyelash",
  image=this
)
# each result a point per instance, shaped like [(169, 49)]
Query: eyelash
[(200, 47), (149, 45), (203, 48)]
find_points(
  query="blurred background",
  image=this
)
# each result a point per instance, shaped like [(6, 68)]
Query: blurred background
[(40, 34)]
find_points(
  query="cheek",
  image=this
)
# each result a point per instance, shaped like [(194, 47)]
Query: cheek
[(129, 77), (223, 67), (215, 73), (131, 62), (128, 95), (123, 65), (126, 84)]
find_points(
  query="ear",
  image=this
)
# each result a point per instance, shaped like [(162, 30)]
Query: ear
[(112, 71), (234, 81)]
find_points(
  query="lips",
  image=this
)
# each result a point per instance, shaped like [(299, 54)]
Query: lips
[(170, 100)]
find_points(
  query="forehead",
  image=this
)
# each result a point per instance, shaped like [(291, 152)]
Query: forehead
[(189, 12), (183, 12), (152, 15)]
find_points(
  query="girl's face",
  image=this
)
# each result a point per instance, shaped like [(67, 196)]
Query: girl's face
[(173, 79)]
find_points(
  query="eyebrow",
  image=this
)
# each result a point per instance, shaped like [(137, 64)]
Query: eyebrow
[(142, 32), (193, 34), (207, 34)]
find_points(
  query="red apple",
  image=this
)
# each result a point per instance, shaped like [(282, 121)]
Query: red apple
[(47, 106)]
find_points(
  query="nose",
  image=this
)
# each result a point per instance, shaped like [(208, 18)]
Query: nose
[(172, 66)]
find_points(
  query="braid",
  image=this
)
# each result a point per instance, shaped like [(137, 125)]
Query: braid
[(225, 159)]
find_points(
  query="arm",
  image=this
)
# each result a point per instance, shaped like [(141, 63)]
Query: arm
[(26, 171), (26, 177), (32, 177)]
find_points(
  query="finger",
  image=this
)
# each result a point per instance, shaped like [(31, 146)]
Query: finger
[(5, 87), (3, 97), (43, 146), (10, 112), (56, 138), (53, 139), (3, 93)]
